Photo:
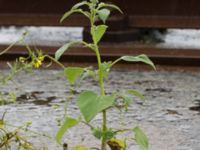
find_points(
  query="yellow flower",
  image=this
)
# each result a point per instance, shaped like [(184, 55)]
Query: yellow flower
[(37, 63)]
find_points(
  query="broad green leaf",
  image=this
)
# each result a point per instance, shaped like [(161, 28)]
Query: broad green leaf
[(68, 13), (72, 73), (68, 123), (102, 5), (80, 4), (80, 148), (90, 104), (61, 50), (136, 93), (98, 32), (141, 139), (104, 14), (65, 47), (140, 58)]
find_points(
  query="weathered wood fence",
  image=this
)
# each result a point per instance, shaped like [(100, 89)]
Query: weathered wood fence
[(140, 13)]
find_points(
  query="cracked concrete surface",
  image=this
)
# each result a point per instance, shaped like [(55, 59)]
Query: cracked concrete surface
[(166, 115)]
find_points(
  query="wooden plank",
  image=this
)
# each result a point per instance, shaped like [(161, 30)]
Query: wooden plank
[(141, 13), (179, 8), (41, 20), (164, 21)]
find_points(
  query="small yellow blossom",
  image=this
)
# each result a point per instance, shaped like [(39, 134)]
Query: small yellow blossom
[(37, 63)]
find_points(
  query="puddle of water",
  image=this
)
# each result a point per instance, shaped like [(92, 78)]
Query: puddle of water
[(34, 97), (46, 102), (172, 112), (27, 96), (196, 107), (159, 90)]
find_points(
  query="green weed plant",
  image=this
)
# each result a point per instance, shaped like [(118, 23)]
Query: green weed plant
[(90, 102)]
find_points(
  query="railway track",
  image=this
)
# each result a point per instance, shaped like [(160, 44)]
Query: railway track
[(154, 14), (160, 56)]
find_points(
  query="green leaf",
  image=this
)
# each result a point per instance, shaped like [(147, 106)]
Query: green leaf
[(88, 73), (141, 139), (104, 14), (97, 132), (68, 13), (109, 134), (90, 104), (72, 73), (136, 93), (80, 4), (61, 50), (102, 4), (126, 100), (66, 46), (68, 123), (105, 67), (140, 58), (98, 32)]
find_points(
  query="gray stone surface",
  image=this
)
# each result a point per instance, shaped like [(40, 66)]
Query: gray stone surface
[(165, 115), (57, 36), (36, 36)]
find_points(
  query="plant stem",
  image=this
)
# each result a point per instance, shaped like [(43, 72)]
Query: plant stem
[(103, 142), (10, 46), (101, 83), (54, 60)]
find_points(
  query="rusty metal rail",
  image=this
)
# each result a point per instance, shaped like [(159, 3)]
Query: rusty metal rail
[(77, 20), (160, 55)]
